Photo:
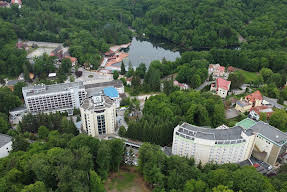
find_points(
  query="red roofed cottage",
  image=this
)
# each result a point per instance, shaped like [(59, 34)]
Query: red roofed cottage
[(221, 87)]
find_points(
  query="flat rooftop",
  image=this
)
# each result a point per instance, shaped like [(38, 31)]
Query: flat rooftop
[(4, 139), (89, 103), (212, 134), (44, 89), (270, 132), (115, 83), (246, 123)]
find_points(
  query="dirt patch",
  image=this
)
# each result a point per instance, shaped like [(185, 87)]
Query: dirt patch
[(126, 180)]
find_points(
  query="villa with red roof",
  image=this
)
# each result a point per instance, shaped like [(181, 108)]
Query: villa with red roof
[(18, 2), (72, 59), (4, 4), (221, 87), (253, 100), (217, 71)]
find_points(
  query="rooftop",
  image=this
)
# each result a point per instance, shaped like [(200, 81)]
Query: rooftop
[(242, 103), (212, 134), (4, 139), (42, 88), (97, 103), (111, 92), (115, 83), (270, 132), (12, 82), (246, 123), (222, 83), (254, 96)]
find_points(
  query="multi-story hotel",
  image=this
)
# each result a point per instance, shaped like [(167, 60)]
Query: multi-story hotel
[(51, 98), (212, 145), (98, 115), (229, 145)]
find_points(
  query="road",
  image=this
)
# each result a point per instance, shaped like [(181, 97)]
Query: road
[(206, 83)]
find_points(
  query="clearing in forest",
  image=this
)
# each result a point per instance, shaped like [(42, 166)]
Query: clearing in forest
[(126, 180)]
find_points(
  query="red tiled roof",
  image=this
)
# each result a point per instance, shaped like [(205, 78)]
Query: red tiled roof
[(222, 83), (72, 59), (221, 69), (262, 109), (254, 96), (15, 1), (3, 3), (230, 69)]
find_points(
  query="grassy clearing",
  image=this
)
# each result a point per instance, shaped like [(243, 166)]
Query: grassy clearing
[(249, 76), (126, 180)]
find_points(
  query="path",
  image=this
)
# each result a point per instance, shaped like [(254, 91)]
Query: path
[(206, 83)]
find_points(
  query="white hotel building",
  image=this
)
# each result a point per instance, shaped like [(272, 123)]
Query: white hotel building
[(229, 145), (98, 115), (51, 98), (212, 145)]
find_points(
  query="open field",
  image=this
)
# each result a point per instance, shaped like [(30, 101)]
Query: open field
[(126, 180), (249, 76)]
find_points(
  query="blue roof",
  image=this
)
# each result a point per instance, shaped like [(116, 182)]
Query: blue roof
[(111, 92)]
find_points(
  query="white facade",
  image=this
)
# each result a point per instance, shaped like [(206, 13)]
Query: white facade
[(207, 145), (52, 98), (221, 92), (230, 145), (5, 145), (98, 116)]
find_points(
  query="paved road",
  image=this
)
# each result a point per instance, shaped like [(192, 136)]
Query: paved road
[(204, 85), (273, 102), (231, 113)]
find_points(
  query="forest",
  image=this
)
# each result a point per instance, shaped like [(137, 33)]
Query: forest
[(163, 112), (245, 34), (179, 174), (59, 162)]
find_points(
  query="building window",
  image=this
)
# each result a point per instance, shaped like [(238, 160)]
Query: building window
[(101, 124)]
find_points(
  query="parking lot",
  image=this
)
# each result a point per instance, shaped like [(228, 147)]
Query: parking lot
[(89, 77)]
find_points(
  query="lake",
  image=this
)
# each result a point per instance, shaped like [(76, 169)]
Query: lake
[(146, 52)]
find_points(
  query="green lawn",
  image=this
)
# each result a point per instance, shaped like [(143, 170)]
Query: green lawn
[(249, 76)]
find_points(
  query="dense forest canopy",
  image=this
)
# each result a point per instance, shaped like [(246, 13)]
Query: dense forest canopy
[(256, 28)]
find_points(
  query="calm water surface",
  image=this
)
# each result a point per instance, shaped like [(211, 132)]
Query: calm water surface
[(146, 52)]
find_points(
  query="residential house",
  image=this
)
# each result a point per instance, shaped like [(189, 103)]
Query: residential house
[(263, 109), (217, 71), (58, 52), (221, 87), (72, 59), (22, 45), (182, 86), (253, 100), (18, 2), (231, 69), (10, 84), (4, 4)]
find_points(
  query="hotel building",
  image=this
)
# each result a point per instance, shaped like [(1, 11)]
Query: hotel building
[(51, 98), (229, 145), (98, 115)]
